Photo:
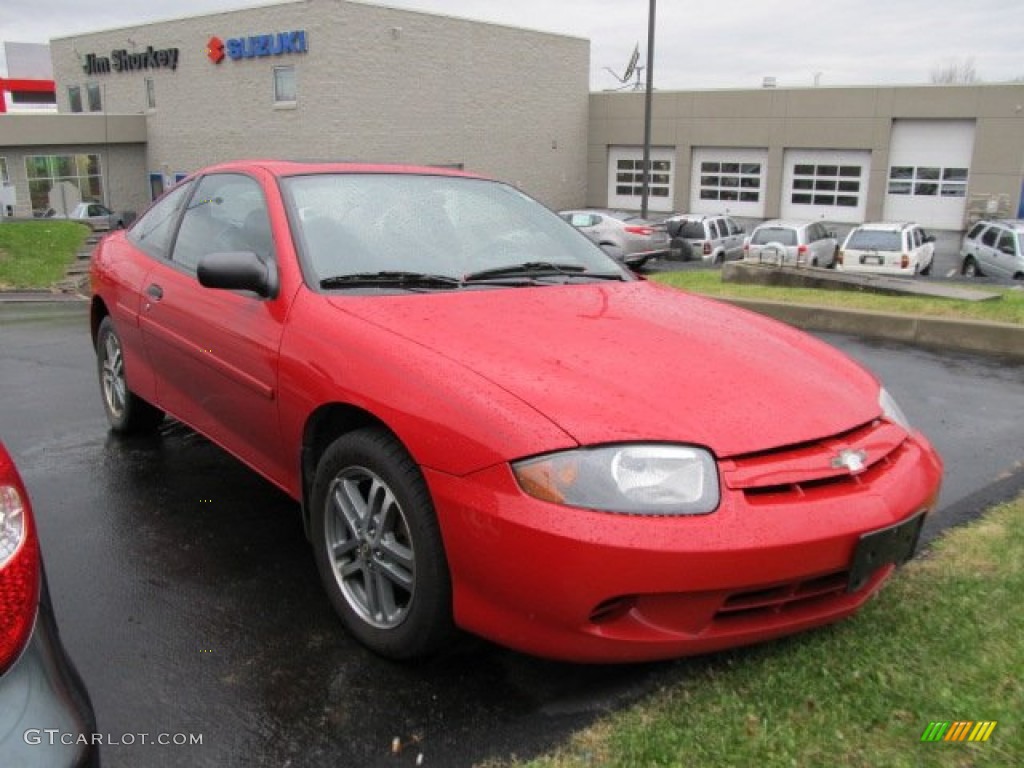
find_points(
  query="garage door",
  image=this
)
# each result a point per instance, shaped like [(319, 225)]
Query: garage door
[(825, 184), (625, 178), (929, 162), (728, 181)]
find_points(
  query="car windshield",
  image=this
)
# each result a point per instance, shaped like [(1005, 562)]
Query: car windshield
[(765, 235), (436, 226), (874, 240)]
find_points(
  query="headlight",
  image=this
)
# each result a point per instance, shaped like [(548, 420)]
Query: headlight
[(639, 479), (891, 411)]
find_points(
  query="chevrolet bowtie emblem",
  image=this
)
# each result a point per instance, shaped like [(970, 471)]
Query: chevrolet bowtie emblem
[(851, 460)]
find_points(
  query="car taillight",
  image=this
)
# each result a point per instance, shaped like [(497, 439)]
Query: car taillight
[(839, 257), (904, 261), (707, 247), (19, 564), (635, 230), (746, 247), (801, 250)]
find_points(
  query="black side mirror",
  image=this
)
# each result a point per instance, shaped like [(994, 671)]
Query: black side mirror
[(237, 271)]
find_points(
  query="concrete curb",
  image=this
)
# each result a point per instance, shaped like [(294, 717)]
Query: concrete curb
[(997, 339)]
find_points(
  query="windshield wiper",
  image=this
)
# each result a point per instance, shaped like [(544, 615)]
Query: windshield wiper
[(396, 278), (538, 269)]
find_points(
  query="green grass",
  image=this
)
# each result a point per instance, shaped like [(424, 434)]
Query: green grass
[(943, 641), (1009, 308), (36, 254)]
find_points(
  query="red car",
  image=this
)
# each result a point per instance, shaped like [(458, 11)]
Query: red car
[(491, 425)]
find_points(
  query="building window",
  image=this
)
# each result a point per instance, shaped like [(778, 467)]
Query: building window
[(730, 181), (927, 181), (150, 93), (826, 184), (284, 85), (60, 181), (629, 177), (75, 98), (95, 99)]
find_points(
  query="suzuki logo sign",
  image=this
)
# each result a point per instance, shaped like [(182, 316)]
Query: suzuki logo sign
[(255, 46)]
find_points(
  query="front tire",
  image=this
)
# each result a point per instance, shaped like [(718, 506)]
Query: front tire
[(378, 546), (126, 412)]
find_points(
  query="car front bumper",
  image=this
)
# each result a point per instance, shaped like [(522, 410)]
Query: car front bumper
[(589, 586)]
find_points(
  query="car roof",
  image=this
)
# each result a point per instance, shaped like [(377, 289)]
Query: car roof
[(304, 168), (784, 223), (887, 226), (1017, 224), (698, 216)]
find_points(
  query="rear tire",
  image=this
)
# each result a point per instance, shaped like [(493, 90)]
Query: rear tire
[(378, 547), (126, 412)]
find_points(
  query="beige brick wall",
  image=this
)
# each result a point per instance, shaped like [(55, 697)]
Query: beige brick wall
[(376, 84), (820, 118)]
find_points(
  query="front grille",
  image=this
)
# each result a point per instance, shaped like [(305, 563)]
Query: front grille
[(797, 595), (810, 470)]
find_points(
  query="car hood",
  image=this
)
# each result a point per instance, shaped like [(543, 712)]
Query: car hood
[(615, 362)]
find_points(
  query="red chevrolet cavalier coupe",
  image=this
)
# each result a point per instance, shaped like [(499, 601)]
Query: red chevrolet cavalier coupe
[(492, 426)]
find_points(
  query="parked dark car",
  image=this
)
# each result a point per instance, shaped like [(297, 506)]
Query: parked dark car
[(46, 718)]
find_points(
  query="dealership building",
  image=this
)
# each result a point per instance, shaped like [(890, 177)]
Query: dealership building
[(139, 107)]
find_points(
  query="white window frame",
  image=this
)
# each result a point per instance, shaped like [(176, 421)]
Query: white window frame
[(280, 99)]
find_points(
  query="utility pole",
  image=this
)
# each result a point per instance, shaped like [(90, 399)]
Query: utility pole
[(645, 195)]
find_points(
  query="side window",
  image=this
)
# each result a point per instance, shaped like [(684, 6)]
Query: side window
[(734, 228), (813, 233), (1006, 244), (153, 230), (713, 230), (975, 231), (989, 238), (917, 238), (227, 212)]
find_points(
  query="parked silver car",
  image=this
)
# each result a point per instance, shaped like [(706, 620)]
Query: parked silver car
[(96, 215), (622, 234), (792, 243), (714, 239), (994, 248)]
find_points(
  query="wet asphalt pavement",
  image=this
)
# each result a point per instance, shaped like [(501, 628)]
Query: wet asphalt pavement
[(187, 595)]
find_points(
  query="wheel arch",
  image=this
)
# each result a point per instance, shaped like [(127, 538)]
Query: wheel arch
[(97, 311), (323, 426)]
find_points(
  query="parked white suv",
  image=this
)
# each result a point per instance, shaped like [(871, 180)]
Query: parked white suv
[(792, 243), (714, 239), (994, 248), (887, 248)]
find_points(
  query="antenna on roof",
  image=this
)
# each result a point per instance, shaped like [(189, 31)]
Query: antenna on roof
[(631, 70)]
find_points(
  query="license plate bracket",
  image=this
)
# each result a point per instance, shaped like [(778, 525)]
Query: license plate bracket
[(894, 544)]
